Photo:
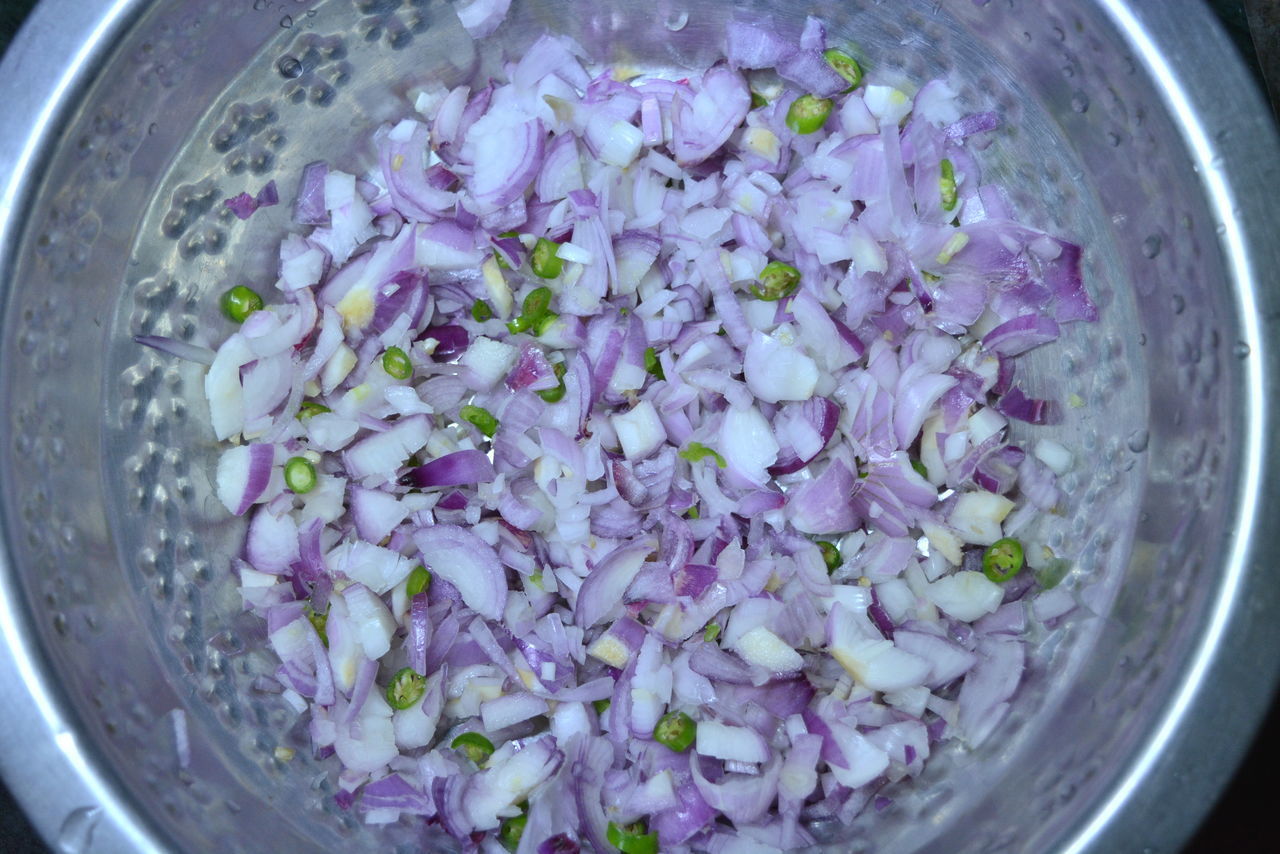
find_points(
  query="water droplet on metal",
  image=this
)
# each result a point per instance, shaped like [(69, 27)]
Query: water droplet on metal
[(1178, 303), (1151, 246), (1142, 339), (76, 833), (1080, 102), (1138, 440), (1113, 138), (1240, 350), (289, 66), (152, 128), (675, 23), (261, 5), (286, 21)]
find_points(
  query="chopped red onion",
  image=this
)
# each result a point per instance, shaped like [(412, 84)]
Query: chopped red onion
[(617, 492)]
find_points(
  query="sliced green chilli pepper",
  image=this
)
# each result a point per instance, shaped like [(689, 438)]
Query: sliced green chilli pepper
[(845, 65), (692, 512), (830, 555), (697, 451), (601, 706), (481, 311), (406, 688), (947, 185), (676, 730), (652, 365), (537, 303), (481, 418), (542, 324), (544, 261), (711, 633), (1002, 560), (555, 395), (310, 407), (419, 581), (777, 280), (535, 313), (758, 100), (536, 580), (299, 475), (808, 113), (632, 838), (920, 469), (319, 622), (396, 363), (475, 746), (240, 302), (512, 830)]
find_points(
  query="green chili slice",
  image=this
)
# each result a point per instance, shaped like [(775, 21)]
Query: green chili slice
[(758, 100), (676, 730), (310, 407), (299, 475), (632, 838), (481, 418), (711, 632), (319, 622), (481, 311), (1002, 560), (542, 324), (652, 365), (396, 363), (406, 688), (512, 830), (830, 555), (537, 303), (601, 706), (240, 302), (697, 451), (845, 65), (544, 261), (419, 581), (920, 469), (474, 746), (808, 113), (777, 280), (947, 185), (555, 395)]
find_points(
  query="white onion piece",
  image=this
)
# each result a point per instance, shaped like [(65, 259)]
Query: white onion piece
[(776, 369), (639, 431), (736, 743), (371, 619), (976, 516), (966, 595), (489, 360), (369, 742), (872, 660), (468, 563), (747, 443), (763, 648)]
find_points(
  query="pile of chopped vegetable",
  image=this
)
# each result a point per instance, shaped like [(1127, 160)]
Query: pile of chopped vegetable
[(627, 459)]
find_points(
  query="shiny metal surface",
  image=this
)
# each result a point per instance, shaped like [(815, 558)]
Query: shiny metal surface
[(129, 121)]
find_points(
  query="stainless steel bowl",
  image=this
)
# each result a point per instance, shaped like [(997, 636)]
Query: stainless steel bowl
[(1130, 127)]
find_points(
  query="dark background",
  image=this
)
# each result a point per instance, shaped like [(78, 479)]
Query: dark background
[(1244, 819)]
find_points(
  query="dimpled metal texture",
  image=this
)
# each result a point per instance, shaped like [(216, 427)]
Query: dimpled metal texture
[(125, 554)]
